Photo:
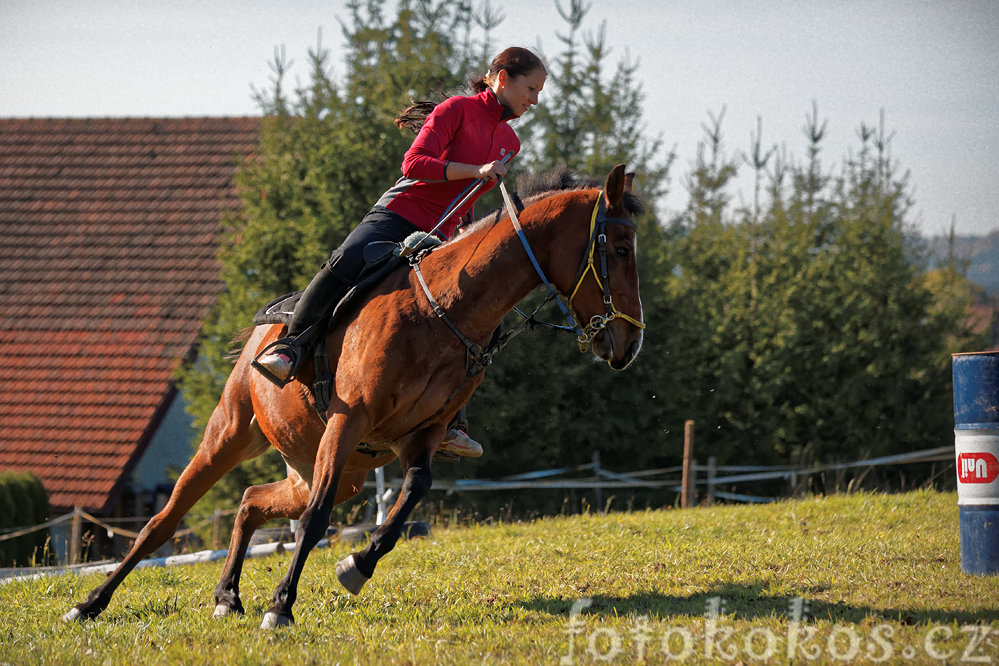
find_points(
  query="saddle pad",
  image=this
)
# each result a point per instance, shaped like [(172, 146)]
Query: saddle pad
[(278, 311)]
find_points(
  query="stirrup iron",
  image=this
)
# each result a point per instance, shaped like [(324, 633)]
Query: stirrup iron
[(290, 346)]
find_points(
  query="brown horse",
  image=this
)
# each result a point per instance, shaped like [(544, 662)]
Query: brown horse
[(402, 374)]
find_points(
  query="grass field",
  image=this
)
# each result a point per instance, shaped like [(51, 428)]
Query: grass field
[(848, 578)]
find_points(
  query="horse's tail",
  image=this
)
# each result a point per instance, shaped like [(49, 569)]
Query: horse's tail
[(237, 344)]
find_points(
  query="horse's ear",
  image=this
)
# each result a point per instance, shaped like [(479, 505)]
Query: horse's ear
[(629, 181), (615, 186)]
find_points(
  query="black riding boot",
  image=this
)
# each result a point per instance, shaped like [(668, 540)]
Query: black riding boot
[(317, 301), (279, 361)]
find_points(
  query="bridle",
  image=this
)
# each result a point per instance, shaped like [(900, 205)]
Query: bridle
[(597, 245), (477, 358)]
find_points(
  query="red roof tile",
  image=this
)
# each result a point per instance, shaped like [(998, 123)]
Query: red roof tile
[(107, 267)]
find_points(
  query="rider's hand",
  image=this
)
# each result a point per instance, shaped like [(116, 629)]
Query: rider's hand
[(492, 171)]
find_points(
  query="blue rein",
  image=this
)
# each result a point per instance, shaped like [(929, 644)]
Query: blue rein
[(553, 294)]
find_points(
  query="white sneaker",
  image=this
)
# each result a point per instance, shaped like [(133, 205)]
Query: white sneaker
[(459, 443), (277, 366)]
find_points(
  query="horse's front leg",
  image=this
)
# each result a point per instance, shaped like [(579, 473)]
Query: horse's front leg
[(337, 444), (357, 568)]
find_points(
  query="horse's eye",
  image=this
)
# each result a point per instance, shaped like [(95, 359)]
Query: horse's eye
[(623, 252)]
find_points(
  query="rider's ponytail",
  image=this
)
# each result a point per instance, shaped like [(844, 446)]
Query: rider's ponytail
[(413, 117)]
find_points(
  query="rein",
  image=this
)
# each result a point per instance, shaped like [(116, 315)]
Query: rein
[(478, 359)]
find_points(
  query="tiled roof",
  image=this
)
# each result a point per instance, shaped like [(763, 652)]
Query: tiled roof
[(107, 267)]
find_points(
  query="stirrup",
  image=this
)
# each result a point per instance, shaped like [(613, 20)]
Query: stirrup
[(289, 346), (446, 456)]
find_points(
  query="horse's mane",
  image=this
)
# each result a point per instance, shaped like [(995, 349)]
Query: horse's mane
[(561, 179), (534, 186)]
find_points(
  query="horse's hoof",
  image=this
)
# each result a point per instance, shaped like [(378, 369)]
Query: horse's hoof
[(74, 615), (350, 576), (273, 620)]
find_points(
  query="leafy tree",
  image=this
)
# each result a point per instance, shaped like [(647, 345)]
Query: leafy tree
[(23, 503)]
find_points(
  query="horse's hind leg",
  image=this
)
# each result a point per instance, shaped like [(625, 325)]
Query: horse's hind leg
[(356, 569), (229, 439), (282, 499)]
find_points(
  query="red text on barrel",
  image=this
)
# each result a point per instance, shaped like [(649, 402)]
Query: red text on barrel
[(980, 467)]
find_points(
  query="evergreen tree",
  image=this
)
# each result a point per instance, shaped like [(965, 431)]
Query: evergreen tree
[(800, 328), (327, 151), (810, 333), (543, 404)]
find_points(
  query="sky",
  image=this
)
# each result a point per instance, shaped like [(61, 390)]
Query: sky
[(931, 67)]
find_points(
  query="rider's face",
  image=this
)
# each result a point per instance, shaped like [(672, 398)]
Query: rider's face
[(520, 93)]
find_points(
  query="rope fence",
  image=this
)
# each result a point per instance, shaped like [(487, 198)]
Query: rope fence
[(598, 479), (107, 567), (13, 533), (604, 478)]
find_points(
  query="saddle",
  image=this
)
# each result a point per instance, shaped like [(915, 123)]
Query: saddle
[(381, 258), (378, 264)]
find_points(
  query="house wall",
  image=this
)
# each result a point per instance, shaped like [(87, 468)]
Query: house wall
[(169, 451)]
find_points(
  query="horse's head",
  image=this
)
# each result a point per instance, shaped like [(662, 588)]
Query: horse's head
[(605, 293)]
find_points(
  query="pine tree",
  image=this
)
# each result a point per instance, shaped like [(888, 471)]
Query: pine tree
[(809, 331), (327, 151), (542, 401)]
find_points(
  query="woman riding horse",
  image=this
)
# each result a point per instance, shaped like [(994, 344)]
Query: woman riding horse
[(401, 376), (462, 139), (415, 351)]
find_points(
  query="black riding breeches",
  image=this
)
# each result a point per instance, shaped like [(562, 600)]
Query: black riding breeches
[(336, 276)]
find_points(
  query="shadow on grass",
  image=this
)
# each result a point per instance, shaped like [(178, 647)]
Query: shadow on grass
[(750, 602)]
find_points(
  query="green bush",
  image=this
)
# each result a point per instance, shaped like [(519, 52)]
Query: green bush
[(23, 503)]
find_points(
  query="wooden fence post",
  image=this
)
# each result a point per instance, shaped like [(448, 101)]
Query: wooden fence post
[(598, 491), (687, 490), (75, 536), (712, 472)]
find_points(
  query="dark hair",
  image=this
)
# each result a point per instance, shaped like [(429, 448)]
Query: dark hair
[(516, 61)]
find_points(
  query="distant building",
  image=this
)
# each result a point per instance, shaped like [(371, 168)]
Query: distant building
[(108, 265), (985, 319)]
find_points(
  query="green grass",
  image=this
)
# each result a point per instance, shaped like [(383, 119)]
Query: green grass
[(880, 570)]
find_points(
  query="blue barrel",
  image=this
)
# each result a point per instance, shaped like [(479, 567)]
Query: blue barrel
[(976, 447)]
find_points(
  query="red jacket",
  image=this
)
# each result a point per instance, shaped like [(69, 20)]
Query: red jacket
[(470, 130)]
